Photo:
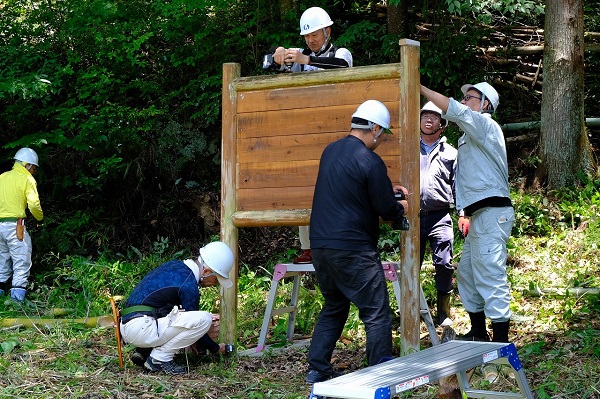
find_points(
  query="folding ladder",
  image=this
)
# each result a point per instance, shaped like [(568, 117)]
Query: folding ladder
[(401, 374), (284, 270)]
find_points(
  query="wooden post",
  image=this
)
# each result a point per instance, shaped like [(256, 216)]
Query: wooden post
[(409, 240), (229, 233)]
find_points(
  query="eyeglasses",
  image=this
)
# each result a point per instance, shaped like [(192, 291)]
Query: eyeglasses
[(467, 97), (434, 118)]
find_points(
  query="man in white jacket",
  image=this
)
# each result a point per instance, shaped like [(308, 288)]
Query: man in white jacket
[(482, 190)]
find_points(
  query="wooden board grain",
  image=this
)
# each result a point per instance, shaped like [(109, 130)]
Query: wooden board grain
[(317, 96)]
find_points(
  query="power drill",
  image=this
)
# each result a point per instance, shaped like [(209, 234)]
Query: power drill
[(402, 223)]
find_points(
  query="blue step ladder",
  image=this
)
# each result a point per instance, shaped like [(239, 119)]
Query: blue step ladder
[(396, 376)]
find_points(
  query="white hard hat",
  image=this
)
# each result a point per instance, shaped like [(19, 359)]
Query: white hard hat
[(313, 19), (373, 111), (431, 107), (487, 90), (27, 155), (219, 258)]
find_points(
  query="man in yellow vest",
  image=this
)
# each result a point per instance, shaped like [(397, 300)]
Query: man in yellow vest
[(18, 191)]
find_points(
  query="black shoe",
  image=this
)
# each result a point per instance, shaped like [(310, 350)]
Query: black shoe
[(140, 355), (315, 376), (169, 367)]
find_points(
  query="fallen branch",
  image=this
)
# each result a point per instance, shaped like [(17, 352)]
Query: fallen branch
[(559, 292), (521, 139), (100, 321)]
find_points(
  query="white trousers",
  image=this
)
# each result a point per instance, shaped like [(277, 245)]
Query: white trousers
[(15, 255), (167, 335), (481, 274)]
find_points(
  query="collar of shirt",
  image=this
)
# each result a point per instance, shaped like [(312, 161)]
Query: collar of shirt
[(429, 148)]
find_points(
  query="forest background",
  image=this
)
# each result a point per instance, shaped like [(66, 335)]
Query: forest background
[(121, 100)]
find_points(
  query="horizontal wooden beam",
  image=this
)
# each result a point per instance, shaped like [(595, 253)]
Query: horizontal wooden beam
[(294, 217), (371, 72)]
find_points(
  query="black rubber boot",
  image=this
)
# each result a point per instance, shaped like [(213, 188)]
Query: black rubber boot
[(478, 331), (443, 306), (500, 331)]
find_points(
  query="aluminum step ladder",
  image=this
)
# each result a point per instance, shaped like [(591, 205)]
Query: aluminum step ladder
[(285, 270), (391, 378)]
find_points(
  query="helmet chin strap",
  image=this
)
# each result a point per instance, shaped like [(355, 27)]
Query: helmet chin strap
[(432, 133), (481, 110), (26, 165), (324, 46)]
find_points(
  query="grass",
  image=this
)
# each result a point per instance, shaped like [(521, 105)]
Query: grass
[(557, 335)]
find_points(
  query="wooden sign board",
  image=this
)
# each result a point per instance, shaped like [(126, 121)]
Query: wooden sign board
[(282, 131), (274, 131)]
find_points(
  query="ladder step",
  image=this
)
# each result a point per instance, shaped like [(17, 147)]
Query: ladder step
[(287, 309)]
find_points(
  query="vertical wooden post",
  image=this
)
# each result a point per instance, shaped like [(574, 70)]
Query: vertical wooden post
[(409, 240), (229, 233)]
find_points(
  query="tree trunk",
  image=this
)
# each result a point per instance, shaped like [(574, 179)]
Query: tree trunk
[(564, 147), (397, 22)]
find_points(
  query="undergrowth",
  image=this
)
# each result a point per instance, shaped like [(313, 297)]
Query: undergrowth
[(554, 247)]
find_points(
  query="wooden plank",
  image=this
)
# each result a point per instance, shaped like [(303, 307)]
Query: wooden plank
[(277, 174), (257, 175), (304, 121), (317, 96), (286, 148), (302, 147), (229, 233), (287, 80), (278, 198), (409, 241)]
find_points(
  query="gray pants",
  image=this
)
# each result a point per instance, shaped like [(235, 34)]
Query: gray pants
[(481, 275), (15, 255)]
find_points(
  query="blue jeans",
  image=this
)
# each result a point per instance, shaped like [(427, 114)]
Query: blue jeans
[(350, 277)]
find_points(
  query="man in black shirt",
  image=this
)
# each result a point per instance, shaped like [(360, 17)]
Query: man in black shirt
[(352, 192)]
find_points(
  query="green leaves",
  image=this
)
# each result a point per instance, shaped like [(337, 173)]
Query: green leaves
[(8, 345)]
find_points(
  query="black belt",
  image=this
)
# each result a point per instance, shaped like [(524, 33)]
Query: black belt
[(133, 312), (490, 202), (426, 213), (133, 316), (136, 308)]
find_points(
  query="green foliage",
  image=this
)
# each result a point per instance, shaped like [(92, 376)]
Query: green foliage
[(369, 39), (537, 215), (8, 345), (447, 53), (485, 9), (389, 240), (118, 99), (531, 215)]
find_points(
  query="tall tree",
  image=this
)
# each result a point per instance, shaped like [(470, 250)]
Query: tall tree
[(564, 148), (397, 21)]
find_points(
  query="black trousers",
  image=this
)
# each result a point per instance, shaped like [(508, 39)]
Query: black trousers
[(350, 277)]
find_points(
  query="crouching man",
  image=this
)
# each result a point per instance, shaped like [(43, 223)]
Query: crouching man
[(162, 316)]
